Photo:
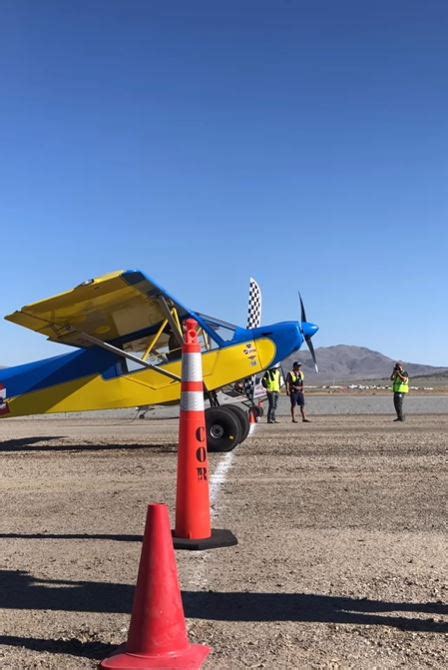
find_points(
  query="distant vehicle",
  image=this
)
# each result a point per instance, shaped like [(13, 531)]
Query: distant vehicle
[(128, 335)]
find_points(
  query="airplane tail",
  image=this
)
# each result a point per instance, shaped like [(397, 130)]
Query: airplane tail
[(255, 304), (253, 321)]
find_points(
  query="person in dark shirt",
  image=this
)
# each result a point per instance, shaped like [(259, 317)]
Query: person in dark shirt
[(294, 388)]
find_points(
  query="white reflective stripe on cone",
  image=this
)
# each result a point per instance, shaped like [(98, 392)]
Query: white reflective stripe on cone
[(192, 367), (192, 401)]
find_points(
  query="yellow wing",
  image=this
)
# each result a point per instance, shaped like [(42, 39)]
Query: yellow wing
[(108, 308)]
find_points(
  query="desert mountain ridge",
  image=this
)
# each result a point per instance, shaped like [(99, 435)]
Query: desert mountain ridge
[(346, 363), (349, 363)]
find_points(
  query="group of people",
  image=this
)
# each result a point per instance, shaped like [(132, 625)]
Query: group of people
[(272, 382), (273, 378)]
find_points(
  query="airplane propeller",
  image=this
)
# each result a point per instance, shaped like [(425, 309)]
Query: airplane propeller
[(308, 330)]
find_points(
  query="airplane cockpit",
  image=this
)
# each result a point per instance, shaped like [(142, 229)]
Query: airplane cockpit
[(164, 343)]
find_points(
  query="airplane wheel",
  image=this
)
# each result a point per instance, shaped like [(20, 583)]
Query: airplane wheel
[(223, 429), (243, 418), (259, 411)]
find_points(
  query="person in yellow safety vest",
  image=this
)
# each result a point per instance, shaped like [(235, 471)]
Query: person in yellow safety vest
[(272, 381), (294, 388), (400, 386)]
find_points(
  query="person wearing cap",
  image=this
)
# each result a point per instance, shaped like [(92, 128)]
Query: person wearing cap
[(400, 386), (272, 381), (294, 388)]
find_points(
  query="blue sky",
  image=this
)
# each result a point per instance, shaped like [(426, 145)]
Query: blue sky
[(302, 143)]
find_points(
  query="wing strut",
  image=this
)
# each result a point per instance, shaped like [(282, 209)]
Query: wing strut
[(172, 321), (155, 339), (131, 357)]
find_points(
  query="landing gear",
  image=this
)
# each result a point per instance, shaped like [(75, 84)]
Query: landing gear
[(243, 418), (225, 427)]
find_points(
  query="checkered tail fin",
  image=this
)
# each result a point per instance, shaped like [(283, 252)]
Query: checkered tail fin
[(253, 321), (254, 307)]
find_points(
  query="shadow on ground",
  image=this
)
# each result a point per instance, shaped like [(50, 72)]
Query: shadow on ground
[(74, 647), (71, 536), (24, 445), (20, 590), (313, 608)]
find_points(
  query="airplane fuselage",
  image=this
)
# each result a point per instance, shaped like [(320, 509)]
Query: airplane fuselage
[(96, 379)]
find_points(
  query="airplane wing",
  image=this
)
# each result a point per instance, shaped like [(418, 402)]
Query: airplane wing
[(113, 308)]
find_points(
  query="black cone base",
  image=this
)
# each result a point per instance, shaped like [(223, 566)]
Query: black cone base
[(220, 537)]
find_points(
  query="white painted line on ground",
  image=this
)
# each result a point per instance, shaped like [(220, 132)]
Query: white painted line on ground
[(220, 477)]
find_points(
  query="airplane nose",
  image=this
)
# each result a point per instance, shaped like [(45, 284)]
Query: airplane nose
[(309, 329)]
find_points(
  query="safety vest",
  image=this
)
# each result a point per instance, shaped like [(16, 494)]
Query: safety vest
[(297, 379), (400, 386), (273, 380)]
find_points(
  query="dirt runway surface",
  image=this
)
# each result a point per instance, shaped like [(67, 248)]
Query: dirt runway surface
[(341, 561)]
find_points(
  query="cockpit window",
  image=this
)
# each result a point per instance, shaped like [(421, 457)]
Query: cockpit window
[(164, 343), (223, 330), (157, 349)]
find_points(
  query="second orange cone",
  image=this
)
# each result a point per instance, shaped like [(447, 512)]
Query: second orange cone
[(157, 637)]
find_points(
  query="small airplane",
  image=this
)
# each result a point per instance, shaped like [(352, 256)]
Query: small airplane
[(128, 335)]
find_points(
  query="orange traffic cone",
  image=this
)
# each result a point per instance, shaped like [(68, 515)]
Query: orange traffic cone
[(193, 529), (252, 420), (157, 635)]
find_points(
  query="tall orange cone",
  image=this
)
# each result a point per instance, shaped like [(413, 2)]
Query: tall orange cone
[(193, 527), (157, 635)]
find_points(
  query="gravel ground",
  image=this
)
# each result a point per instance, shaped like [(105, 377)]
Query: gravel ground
[(341, 561)]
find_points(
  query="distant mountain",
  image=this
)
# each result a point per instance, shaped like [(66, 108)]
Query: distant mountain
[(344, 363)]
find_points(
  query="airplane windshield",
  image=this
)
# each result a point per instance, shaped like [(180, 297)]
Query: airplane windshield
[(224, 330)]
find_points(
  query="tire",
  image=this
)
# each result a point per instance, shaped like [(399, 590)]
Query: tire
[(243, 418), (259, 411), (223, 429)]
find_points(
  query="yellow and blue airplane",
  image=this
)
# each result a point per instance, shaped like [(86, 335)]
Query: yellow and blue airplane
[(127, 331)]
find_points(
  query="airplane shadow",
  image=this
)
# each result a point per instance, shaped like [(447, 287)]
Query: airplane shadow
[(20, 590), (71, 536), (23, 445)]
